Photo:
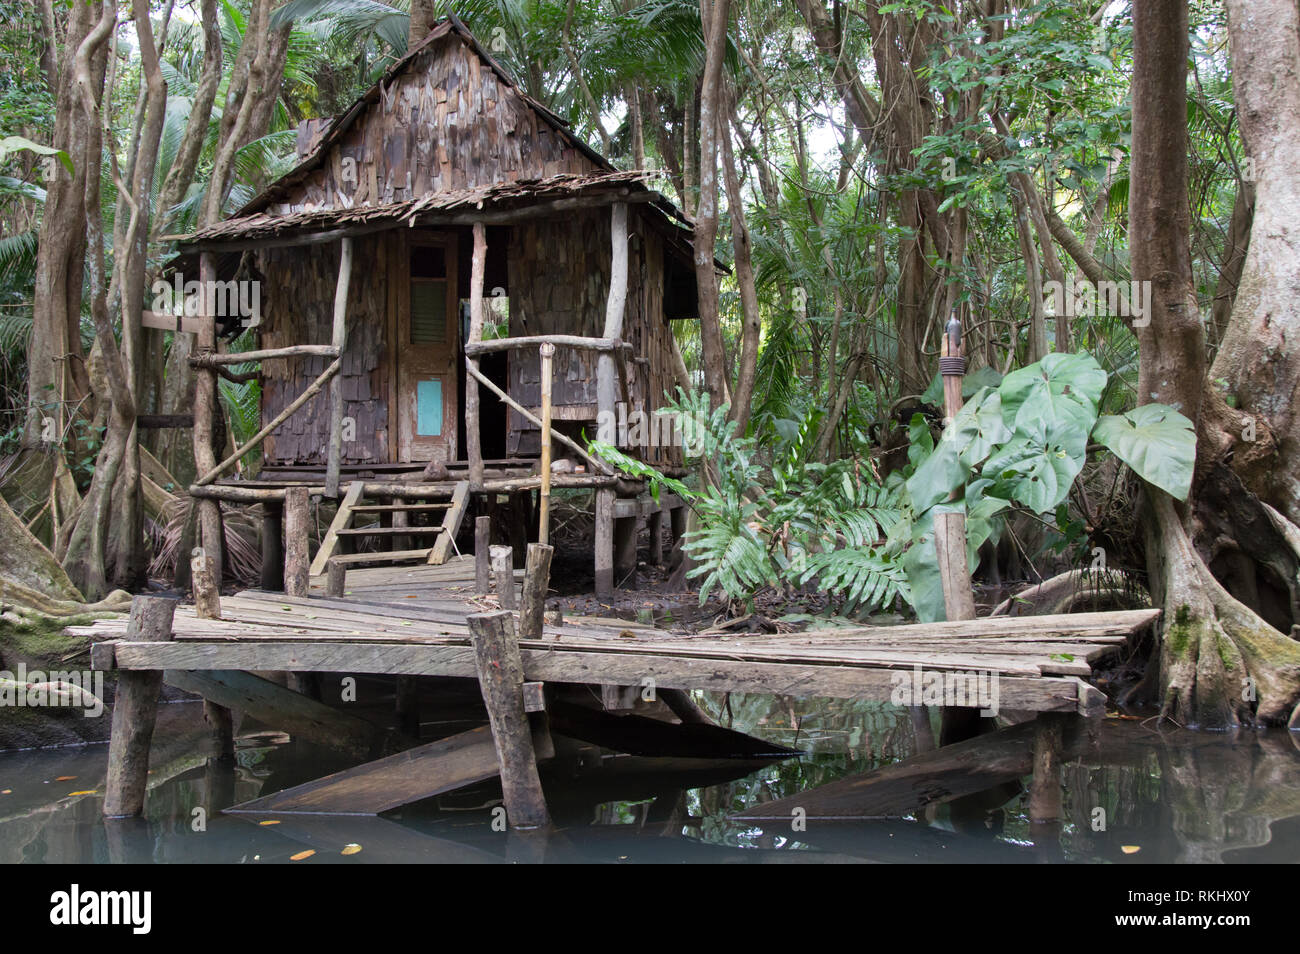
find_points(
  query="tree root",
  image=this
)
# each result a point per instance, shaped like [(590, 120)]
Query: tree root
[(1078, 587), (1221, 664)]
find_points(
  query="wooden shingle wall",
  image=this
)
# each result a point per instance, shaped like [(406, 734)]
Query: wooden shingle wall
[(446, 122)]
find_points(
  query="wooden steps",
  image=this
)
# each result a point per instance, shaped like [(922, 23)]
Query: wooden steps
[(450, 501), (389, 556)]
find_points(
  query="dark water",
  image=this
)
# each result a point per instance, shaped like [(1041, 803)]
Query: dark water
[(1164, 796)]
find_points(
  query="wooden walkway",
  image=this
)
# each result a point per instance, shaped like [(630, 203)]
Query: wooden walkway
[(412, 621)]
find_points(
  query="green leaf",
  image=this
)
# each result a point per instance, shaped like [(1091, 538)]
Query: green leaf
[(1038, 466), (1156, 441), (14, 143), (1061, 388)]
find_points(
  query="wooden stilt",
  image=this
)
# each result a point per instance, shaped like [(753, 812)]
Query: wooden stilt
[(544, 497), (336, 578), (504, 575), (604, 549), (655, 524), (272, 545), (408, 705), (297, 533), (473, 435), (135, 710), (625, 552), (482, 558), (205, 404), (339, 342), (221, 729), (537, 580), (501, 679)]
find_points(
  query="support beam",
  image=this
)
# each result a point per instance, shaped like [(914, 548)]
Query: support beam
[(473, 433), (625, 552), (135, 709), (297, 535), (208, 530), (482, 558), (339, 342), (501, 679), (615, 307), (547, 353)]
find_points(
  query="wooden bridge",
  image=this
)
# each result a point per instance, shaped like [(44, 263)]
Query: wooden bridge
[(428, 620)]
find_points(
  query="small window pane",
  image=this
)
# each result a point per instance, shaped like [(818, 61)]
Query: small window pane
[(428, 408)]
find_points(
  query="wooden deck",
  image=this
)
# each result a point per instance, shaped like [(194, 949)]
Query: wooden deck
[(412, 621)]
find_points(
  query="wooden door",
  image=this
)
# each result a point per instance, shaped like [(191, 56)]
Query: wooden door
[(428, 347)]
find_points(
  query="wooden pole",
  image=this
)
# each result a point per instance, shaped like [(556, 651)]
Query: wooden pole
[(473, 436), (482, 559), (297, 532), (135, 709), (950, 528), (207, 600), (604, 543), (615, 307), (205, 400), (501, 680), (537, 583), (504, 573), (339, 342), (544, 498)]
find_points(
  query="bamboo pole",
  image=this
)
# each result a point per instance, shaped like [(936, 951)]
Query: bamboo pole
[(280, 418), (473, 435), (339, 343), (544, 497), (210, 360), (532, 341)]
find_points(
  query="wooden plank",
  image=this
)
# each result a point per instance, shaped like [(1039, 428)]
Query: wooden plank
[(383, 556), (407, 531), (342, 519), (277, 706), (554, 664), (387, 783)]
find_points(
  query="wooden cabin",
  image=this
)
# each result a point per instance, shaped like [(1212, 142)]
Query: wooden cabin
[(430, 244)]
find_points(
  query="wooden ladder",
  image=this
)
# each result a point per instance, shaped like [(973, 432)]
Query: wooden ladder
[(342, 530)]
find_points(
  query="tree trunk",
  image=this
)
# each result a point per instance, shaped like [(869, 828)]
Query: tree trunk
[(1220, 663)]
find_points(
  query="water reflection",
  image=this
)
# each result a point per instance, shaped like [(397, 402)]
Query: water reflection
[(1127, 793)]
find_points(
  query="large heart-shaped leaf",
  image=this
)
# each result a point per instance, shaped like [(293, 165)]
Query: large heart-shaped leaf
[(1038, 467), (1061, 389), (1156, 441)]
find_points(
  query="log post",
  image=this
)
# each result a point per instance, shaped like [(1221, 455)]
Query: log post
[(473, 436), (205, 404), (625, 529), (336, 578), (501, 680), (655, 524), (207, 601), (272, 546), (297, 534), (537, 583), (339, 342), (135, 709), (482, 558), (547, 351), (503, 571), (604, 543)]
